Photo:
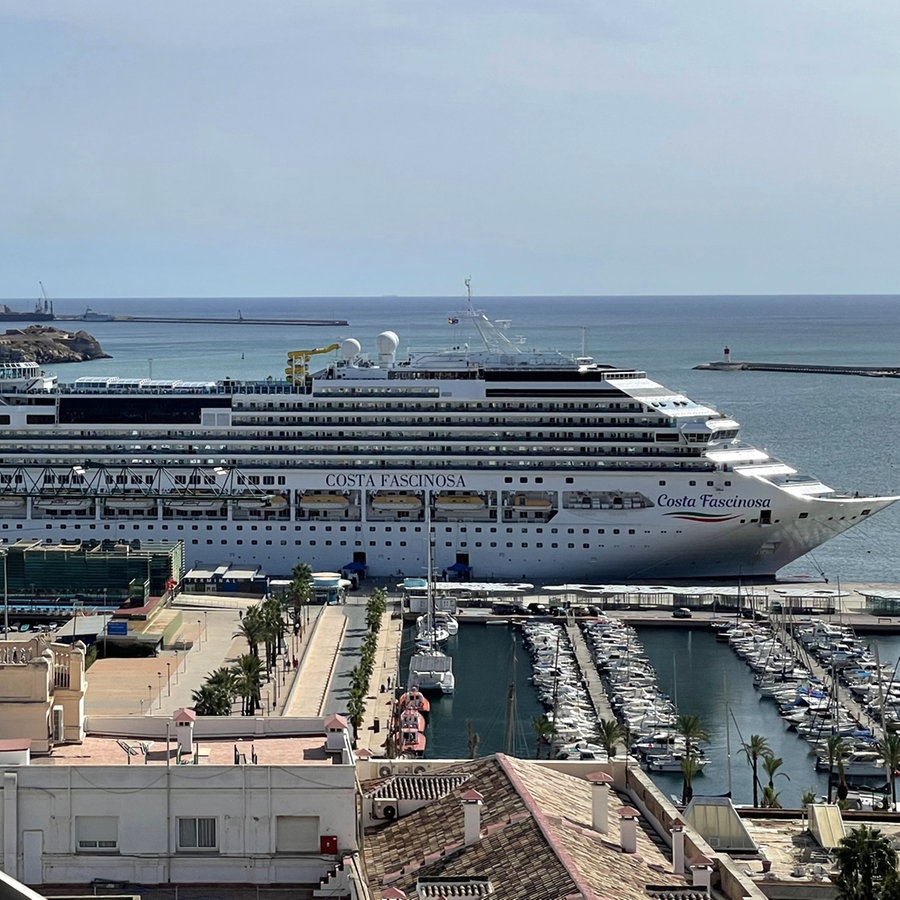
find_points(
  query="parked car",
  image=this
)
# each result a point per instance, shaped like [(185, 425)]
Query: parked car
[(681, 613)]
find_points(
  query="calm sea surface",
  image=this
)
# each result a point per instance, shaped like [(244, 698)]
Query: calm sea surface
[(840, 428)]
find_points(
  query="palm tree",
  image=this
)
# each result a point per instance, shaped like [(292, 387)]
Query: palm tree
[(772, 764), (248, 670), (609, 735), (889, 748), (835, 749), (757, 747), (224, 679), (210, 700), (252, 629), (543, 732), (691, 728), (300, 592), (865, 859), (689, 768)]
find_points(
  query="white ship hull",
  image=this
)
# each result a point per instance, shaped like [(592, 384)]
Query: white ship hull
[(530, 467), (693, 539)]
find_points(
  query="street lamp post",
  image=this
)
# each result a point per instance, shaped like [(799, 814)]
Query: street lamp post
[(176, 667), (199, 634), (168, 679), (159, 693), (149, 697)]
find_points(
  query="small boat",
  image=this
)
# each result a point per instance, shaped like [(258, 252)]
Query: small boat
[(91, 315), (431, 670), (671, 762), (63, 503), (396, 502), (188, 502), (311, 500), (262, 501), (416, 700), (123, 501), (459, 502), (429, 633), (410, 743)]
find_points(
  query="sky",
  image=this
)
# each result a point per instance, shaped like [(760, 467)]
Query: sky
[(311, 148)]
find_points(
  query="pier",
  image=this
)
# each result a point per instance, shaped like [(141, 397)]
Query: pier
[(204, 320), (871, 371)]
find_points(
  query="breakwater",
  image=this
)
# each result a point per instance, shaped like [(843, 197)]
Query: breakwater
[(871, 371)]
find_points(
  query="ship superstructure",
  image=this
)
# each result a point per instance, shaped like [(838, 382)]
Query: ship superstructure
[(530, 465)]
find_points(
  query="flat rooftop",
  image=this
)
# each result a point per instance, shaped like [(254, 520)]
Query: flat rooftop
[(97, 750)]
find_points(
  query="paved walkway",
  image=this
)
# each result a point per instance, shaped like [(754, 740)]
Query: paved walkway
[(319, 685)]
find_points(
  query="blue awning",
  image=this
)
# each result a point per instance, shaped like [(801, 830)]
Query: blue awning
[(459, 567), (355, 567)]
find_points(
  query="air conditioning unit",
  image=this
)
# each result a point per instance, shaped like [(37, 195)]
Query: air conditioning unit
[(405, 768), (384, 808), (57, 724), (385, 770)]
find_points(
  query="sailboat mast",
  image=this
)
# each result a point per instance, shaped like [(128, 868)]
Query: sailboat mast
[(509, 742)]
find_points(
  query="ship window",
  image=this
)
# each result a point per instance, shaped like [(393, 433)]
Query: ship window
[(615, 530), (692, 483), (727, 484), (662, 484), (631, 531), (586, 546), (571, 546), (803, 515)]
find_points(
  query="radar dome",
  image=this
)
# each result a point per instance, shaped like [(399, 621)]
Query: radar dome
[(350, 348), (387, 343)]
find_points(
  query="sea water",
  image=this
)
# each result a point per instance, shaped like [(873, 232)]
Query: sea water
[(842, 429)]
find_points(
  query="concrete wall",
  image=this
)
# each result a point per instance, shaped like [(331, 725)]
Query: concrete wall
[(147, 802)]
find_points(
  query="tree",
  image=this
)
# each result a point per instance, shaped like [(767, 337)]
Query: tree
[(772, 764), (300, 592), (689, 768), (472, 739), (756, 748), (889, 748), (210, 700), (609, 735), (248, 671), (835, 749), (543, 732), (866, 862), (252, 629), (691, 728)]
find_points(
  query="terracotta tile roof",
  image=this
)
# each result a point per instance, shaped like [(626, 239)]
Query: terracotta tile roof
[(419, 787), (536, 839)]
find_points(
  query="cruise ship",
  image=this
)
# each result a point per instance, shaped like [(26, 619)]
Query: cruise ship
[(525, 464)]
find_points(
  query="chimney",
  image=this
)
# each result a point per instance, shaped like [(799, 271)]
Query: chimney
[(628, 817), (184, 729), (701, 871), (600, 783), (677, 832), (471, 804)]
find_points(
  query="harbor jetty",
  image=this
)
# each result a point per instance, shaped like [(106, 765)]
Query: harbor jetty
[(727, 364), (210, 320)]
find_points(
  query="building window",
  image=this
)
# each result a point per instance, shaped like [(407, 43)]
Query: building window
[(97, 833), (197, 833)]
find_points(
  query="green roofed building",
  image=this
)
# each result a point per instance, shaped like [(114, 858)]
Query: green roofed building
[(102, 573)]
